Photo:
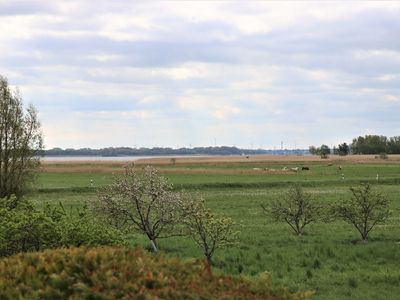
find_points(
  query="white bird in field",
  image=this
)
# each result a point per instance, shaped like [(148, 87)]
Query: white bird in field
[(377, 176)]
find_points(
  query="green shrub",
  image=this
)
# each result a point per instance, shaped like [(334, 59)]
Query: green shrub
[(24, 227), (123, 273), (79, 227)]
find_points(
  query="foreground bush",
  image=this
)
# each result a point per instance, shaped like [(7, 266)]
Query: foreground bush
[(24, 227), (121, 273)]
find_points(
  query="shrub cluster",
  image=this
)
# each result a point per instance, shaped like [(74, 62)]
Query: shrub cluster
[(364, 210), (24, 227), (123, 273)]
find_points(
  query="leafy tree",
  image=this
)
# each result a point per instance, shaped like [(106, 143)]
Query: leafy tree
[(313, 150), (324, 151), (296, 208), (393, 145), (142, 202), (335, 151), (343, 149), (20, 142), (208, 230), (369, 144), (365, 210)]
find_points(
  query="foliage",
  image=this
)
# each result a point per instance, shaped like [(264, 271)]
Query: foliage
[(78, 227), (365, 210), (393, 145), (323, 151), (296, 208), (20, 142), (143, 202), (122, 273), (23, 227), (375, 144), (313, 150), (343, 149), (155, 151), (328, 251), (208, 230)]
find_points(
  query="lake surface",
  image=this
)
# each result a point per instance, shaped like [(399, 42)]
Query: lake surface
[(108, 158)]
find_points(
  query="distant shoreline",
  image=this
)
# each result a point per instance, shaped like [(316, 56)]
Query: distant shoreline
[(156, 151), (60, 158)]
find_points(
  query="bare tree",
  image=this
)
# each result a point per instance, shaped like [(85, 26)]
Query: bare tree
[(296, 208), (365, 210), (21, 142), (143, 202), (208, 230)]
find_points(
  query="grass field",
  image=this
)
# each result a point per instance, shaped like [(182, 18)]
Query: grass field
[(326, 259)]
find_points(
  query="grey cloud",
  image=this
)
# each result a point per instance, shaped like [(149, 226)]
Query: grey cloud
[(351, 95), (21, 7)]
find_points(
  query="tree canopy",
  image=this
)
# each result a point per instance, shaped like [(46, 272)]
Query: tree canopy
[(20, 142)]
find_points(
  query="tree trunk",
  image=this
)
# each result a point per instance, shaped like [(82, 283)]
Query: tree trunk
[(209, 259), (153, 245), (207, 265)]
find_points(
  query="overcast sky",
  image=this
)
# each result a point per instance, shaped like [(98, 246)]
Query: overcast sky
[(249, 74)]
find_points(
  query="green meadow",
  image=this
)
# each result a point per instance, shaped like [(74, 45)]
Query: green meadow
[(328, 258)]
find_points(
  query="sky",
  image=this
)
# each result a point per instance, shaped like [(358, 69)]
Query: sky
[(251, 74)]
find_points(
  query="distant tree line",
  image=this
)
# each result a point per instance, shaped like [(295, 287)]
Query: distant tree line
[(376, 144), (159, 151), (369, 144)]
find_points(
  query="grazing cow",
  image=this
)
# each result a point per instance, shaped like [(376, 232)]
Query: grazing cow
[(330, 164), (340, 168), (295, 169), (305, 168)]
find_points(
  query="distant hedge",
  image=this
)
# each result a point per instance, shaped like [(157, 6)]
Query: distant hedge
[(123, 273)]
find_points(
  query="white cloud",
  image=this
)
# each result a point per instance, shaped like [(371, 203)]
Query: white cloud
[(170, 73), (392, 98)]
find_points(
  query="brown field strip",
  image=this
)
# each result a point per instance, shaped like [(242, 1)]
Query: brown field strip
[(269, 159), (213, 161)]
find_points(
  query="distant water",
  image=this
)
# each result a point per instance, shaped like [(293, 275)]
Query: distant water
[(108, 158)]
